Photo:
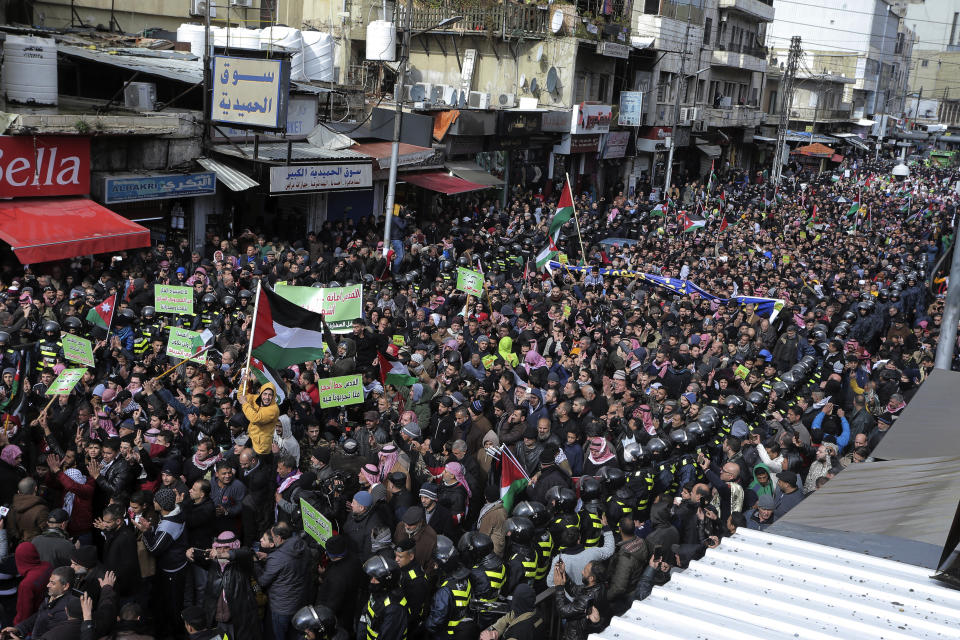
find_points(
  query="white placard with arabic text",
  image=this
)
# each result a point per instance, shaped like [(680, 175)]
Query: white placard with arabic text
[(250, 92), (310, 177)]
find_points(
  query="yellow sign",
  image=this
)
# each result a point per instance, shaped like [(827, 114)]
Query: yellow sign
[(808, 128), (399, 340), (562, 258)]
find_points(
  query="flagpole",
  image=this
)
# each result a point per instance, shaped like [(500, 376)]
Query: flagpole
[(168, 371), (573, 205), (504, 450), (253, 327)]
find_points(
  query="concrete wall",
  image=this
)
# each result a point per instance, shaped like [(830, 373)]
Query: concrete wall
[(932, 21), (829, 25)]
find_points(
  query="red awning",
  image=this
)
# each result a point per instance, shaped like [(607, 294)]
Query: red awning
[(45, 229), (441, 182)]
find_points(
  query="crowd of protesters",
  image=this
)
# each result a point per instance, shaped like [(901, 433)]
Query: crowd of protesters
[(650, 424)]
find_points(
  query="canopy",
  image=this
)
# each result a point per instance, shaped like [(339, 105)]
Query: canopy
[(816, 150), (233, 179), (45, 229), (380, 152), (472, 172), (928, 426), (441, 182)]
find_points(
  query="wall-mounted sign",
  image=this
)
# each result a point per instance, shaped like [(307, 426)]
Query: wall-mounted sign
[(615, 146), (613, 49), (316, 177), (301, 120), (250, 92), (578, 144), (631, 109), (44, 166), (591, 118), (158, 186), (519, 123), (555, 121)]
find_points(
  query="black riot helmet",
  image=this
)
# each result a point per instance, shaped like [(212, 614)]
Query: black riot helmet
[(756, 398), (229, 302), (51, 329), (73, 324), (474, 546), (148, 313), (657, 449), (680, 439), (519, 529), (385, 570), (735, 405), (317, 618), (209, 300), (696, 432), (537, 512), (561, 499), (445, 553), (590, 488), (612, 478)]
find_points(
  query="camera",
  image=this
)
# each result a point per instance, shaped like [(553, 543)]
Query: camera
[(201, 554)]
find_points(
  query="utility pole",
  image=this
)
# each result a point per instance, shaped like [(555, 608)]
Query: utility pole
[(676, 109), (786, 103), (397, 120)]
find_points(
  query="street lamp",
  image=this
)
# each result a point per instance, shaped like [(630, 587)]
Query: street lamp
[(398, 117)]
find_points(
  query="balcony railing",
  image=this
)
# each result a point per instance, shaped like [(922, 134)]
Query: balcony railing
[(735, 116), (756, 52), (506, 20), (820, 114), (680, 11)]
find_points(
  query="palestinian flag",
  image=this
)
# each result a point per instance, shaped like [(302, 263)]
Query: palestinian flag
[(102, 314), (712, 179), (723, 223), (563, 213), (689, 223), (11, 403), (513, 479), (854, 207), (816, 212), (265, 374), (658, 211), (548, 253), (284, 333), (395, 373)]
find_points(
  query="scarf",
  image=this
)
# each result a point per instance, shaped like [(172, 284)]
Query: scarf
[(204, 465), (456, 469), (602, 454), (69, 496), (371, 473), (388, 458), (289, 480), (533, 360)]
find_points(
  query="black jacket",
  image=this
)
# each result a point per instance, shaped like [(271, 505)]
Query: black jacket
[(201, 522), (573, 604), (286, 576), (120, 556), (342, 589), (553, 476), (357, 530), (115, 479), (233, 581)]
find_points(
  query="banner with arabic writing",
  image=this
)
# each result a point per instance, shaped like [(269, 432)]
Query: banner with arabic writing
[(339, 305), (316, 177), (341, 391), (250, 92)]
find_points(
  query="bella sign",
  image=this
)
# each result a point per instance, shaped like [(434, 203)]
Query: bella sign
[(44, 166)]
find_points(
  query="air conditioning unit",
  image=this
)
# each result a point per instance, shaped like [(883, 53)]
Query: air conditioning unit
[(699, 126), (242, 3), (507, 100), (436, 93), (684, 116), (415, 92), (693, 114), (448, 95), (199, 8), (140, 96), (478, 100)]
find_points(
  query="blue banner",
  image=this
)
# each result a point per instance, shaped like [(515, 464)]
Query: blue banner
[(158, 186)]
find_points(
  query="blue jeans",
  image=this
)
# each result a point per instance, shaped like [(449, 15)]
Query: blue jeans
[(280, 625), (397, 246)]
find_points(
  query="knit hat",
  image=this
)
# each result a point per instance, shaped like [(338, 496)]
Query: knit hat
[(171, 467), (766, 502), (477, 406), (336, 546), (411, 430), (413, 515), (363, 498), (524, 599), (10, 454), (429, 491), (85, 556), (166, 498), (322, 454), (58, 516)]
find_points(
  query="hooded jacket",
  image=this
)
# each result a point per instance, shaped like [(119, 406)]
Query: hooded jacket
[(348, 363), (28, 516), (286, 442), (232, 580), (664, 534), (33, 584), (762, 489), (285, 575), (263, 419)]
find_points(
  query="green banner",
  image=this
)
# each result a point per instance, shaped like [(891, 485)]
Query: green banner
[(65, 382), (341, 391), (470, 281), (339, 305), (77, 349), (184, 344), (315, 523), (168, 298)]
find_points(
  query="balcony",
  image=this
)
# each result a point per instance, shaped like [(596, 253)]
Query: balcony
[(736, 116), (758, 9), (506, 20), (740, 57), (808, 114)]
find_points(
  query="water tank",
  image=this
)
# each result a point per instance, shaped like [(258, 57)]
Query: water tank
[(286, 37), (242, 38), (219, 36), (30, 70), (192, 33), (382, 41), (318, 53)]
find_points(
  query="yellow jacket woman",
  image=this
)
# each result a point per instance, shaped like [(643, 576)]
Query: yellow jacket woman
[(262, 411)]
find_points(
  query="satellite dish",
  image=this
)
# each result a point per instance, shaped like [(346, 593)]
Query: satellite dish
[(523, 81), (417, 93), (556, 22), (436, 93), (552, 79), (462, 103), (534, 87), (538, 56)]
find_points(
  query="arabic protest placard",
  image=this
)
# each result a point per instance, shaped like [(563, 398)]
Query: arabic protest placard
[(168, 298), (339, 305), (340, 391), (310, 177), (184, 344), (470, 281), (77, 349), (315, 523), (741, 372), (65, 382)]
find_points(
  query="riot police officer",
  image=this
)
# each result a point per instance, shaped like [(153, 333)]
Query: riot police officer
[(49, 348), (563, 503), (317, 622), (520, 554), (386, 616), (591, 513), (210, 317), (488, 574), (448, 611), (542, 538)]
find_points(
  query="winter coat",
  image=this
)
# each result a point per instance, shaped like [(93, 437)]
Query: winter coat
[(263, 419), (27, 517), (426, 542), (81, 516), (573, 605), (167, 542), (120, 556), (9, 477), (492, 522), (664, 534), (286, 576), (343, 582), (54, 547), (116, 478), (233, 581), (358, 528), (626, 567), (33, 584)]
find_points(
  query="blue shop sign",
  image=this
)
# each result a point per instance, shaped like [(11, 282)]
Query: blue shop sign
[(159, 187)]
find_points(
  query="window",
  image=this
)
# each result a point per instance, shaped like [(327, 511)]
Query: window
[(580, 88), (924, 63), (701, 85), (707, 28), (601, 94), (772, 104)]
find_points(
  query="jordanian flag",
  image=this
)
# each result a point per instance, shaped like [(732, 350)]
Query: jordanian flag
[(284, 333), (102, 314), (395, 373), (690, 223), (265, 374), (658, 211), (563, 214), (513, 479)]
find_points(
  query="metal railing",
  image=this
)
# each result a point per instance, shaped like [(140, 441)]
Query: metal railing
[(680, 11), (756, 52), (506, 20), (809, 113)]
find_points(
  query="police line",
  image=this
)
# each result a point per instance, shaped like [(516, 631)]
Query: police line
[(765, 307)]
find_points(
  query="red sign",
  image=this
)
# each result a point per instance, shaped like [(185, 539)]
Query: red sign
[(44, 166)]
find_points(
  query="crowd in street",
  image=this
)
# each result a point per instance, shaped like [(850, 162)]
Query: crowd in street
[(164, 501)]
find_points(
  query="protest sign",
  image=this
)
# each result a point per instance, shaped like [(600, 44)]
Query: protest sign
[(173, 299), (185, 344), (77, 349), (470, 281), (340, 391), (315, 523), (65, 382), (339, 305)]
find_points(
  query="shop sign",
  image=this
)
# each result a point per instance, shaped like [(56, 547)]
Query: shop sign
[(461, 145), (613, 49), (301, 120), (250, 92), (631, 109), (584, 144), (507, 143), (555, 121), (615, 145), (519, 123), (314, 177), (591, 118), (159, 186), (44, 166)]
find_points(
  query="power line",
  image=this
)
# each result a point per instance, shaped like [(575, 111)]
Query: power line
[(837, 29)]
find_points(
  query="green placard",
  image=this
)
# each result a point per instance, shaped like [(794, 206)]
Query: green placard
[(339, 305), (399, 340), (77, 349), (315, 523), (169, 298), (341, 391), (65, 382), (741, 372), (470, 281), (184, 344)]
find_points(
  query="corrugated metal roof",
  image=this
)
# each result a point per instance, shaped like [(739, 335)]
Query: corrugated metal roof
[(277, 152), (761, 585), (233, 179)]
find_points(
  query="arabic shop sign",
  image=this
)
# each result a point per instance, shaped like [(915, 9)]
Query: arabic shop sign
[(591, 118), (313, 177), (158, 187), (249, 92)]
